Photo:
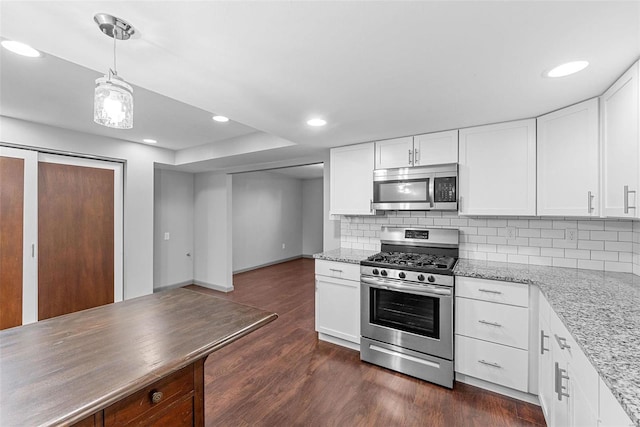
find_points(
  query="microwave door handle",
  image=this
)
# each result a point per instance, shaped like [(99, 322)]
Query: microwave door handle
[(432, 191)]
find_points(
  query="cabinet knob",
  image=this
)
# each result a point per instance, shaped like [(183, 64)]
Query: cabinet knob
[(156, 396)]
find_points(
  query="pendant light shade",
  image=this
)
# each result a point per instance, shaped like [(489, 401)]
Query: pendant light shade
[(113, 103), (113, 97)]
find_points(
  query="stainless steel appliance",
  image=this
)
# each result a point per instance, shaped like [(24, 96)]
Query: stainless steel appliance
[(417, 188), (407, 303)]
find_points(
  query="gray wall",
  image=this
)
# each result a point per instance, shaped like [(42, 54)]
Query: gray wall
[(267, 213), (173, 214), (312, 216)]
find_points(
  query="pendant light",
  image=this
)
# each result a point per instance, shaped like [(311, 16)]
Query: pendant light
[(113, 97)]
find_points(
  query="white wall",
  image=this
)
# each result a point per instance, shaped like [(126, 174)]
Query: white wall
[(312, 216), (173, 214), (138, 187), (267, 213), (212, 231)]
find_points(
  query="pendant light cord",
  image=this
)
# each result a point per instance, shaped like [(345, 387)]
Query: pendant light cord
[(115, 36)]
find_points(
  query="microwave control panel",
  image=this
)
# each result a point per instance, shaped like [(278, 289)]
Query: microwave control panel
[(445, 189)]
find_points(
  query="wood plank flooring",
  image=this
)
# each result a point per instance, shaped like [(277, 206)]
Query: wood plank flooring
[(281, 375)]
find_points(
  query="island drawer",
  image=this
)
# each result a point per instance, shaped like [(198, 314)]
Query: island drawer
[(150, 401)]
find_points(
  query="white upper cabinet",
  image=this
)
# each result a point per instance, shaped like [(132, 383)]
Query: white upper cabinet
[(568, 154), (394, 153), (421, 150), (435, 148), (621, 147), (497, 171), (351, 178)]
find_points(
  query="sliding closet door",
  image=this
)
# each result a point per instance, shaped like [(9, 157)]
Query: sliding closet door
[(78, 208), (17, 237)]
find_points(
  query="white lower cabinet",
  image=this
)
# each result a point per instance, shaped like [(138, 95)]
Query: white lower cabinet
[(492, 332), (571, 392), (338, 302)]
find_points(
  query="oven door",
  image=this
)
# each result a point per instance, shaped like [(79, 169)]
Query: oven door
[(415, 317)]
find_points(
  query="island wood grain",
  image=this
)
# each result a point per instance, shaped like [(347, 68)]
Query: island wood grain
[(65, 369)]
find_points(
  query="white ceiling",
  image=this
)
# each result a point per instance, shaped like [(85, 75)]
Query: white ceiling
[(313, 171), (373, 70)]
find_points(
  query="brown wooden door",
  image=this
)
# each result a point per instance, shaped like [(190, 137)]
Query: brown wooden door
[(11, 240), (75, 238)]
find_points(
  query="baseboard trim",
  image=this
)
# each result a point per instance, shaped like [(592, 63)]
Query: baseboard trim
[(496, 388), (172, 286), (307, 256), (244, 270), (212, 286), (338, 341)]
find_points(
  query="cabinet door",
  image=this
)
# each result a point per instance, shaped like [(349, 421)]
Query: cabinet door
[(568, 161), (611, 412), (498, 169), (546, 372), (338, 308), (394, 153), (620, 146), (351, 178), (435, 148)]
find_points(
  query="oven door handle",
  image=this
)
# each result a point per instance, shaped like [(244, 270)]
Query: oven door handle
[(421, 290)]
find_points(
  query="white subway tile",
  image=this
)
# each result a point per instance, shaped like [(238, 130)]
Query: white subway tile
[(478, 255), (618, 226), (372, 247), (561, 243), (605, 256), (590, 225), (590, 264), (497, 240), (563, 224), (528, 250), (552, 234), (357, 246), (420, 214), (540, 260), (521, 259), (552, 252), (442, 221), (459, 222), (425, 221), (449, 214), (596, 245), (604, 235), (529, 232), (540, 223), (496, 222), (518, 241), (477, 222), (618, 246), (518, 223), (403, 214), (541, 243), (507, 249), (469, 247), (577, 253), (382, 221), (486, 248), (565, 262), (497, 257), (584, 235), (469, 230), (625, 257), (624, 267), (477, 239), (396, 221), (410, 221), (370, 233), (434, 214), (626, 236), (487, 231)]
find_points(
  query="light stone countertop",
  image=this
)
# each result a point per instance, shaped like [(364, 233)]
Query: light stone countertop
[(352, 256), (600, 309)]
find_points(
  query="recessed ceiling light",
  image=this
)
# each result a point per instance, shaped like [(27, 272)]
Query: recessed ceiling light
[(568, 68), (221, 119), (316, 122), (150, 141), (20, 48)]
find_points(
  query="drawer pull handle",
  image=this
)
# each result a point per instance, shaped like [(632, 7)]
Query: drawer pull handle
[(335, 270), (156, 396), (542, 337), (561, 375), (489, 291), (484, 322), (484, 362), (562, 342)]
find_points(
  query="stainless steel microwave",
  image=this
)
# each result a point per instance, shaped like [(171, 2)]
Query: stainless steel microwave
[(418, 188)]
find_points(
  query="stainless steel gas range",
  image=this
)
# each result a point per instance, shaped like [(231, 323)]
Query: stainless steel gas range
[(407, 303)]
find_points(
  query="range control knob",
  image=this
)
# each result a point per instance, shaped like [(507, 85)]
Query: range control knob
[(375, 271), (431, 279), (421, 277), (402, 275), (383, 272)]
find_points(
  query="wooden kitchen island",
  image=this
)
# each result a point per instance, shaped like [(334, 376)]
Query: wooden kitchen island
[(139, 361)]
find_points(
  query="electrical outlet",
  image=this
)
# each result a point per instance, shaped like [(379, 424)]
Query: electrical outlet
[(510, 233), (166, 236), (283, 246), (571, 234)]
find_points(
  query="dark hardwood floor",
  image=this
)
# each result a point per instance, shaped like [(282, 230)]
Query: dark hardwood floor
[(281, 375)]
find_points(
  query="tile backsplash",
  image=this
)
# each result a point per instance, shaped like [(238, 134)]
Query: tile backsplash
[(595, 244)]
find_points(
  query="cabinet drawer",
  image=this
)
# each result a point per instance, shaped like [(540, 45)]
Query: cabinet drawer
[(493, 290), (489, 321), (340, 270), (491, 362), (140, 406)]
